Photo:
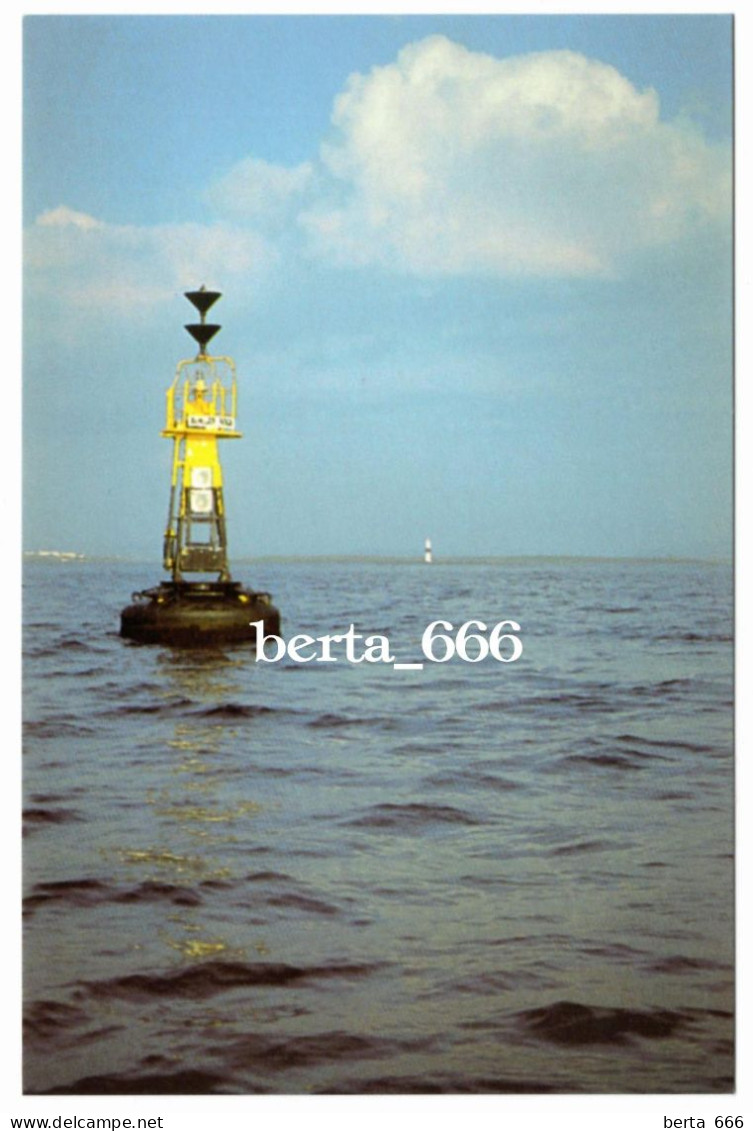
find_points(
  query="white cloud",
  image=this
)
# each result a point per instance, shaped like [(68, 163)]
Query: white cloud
[(259, 192), (82, 263), (447, 161), (63, 217), (450, 161)]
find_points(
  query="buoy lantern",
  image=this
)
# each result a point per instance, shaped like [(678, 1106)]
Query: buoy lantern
[(200, 411)]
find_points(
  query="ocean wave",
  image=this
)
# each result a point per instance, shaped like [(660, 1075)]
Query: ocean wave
[(472, 778), (653, 744), (234, 711), (330, 719), (303, 903), (56, 727), (182, 1082), (607, 761), (256, 1051), (209, 978), (683, 964), (581, 846), (45, 1020), (164, 708), (89, 892), (433, 1083), (570, 1023), (37, 816), (411, 816)]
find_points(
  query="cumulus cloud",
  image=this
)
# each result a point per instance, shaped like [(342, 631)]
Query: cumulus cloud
[(444, 162), (451, 161)]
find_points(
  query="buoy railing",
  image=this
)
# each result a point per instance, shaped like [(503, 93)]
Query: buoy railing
[(216, 376)]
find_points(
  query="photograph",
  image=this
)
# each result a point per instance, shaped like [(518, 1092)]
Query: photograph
[(378, 383)]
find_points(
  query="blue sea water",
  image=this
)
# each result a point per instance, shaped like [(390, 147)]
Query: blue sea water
[(345, 878)]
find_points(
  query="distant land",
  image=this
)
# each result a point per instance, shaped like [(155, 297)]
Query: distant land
[(381, 559), (481, 559), (59, 555)]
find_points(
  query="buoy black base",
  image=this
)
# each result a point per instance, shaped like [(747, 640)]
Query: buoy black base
[(191, 613)]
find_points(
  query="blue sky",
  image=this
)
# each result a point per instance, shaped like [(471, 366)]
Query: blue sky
[(476, 278)]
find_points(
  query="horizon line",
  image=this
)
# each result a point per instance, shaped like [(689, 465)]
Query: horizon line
[(401, 559)]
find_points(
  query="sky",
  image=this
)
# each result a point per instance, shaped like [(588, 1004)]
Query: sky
[(476, 277)]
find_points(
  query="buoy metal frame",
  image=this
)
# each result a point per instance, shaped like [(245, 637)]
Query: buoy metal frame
[(200, 411)]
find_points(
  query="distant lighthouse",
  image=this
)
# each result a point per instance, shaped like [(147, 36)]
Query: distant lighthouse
[(201, 407), (427, 551)]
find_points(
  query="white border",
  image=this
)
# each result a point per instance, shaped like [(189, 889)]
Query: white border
[(246, 1113)]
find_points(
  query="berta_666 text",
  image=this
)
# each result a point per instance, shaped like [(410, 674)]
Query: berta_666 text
[(472, 642)]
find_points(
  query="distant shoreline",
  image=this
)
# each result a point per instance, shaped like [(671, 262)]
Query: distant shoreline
[(386, 559)]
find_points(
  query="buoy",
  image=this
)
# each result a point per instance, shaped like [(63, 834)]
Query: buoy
[(427, 552), (200, 411)]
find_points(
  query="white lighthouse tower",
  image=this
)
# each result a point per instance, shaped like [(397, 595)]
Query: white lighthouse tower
[(427, 551)]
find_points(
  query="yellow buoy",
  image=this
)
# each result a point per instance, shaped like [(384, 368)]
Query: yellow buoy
[(200, 411)]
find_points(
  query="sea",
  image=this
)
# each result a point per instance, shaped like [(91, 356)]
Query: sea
[(305, 877)]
